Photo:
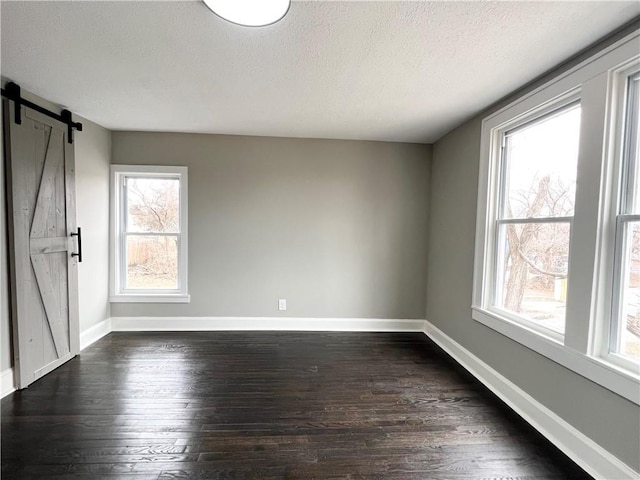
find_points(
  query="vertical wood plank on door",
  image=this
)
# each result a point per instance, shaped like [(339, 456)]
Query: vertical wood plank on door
[(13, 209), (72, 262), (43, 341), (21, 171), (60, 259)]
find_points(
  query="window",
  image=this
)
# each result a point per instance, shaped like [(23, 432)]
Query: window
[(557, 259), (537, 192), (149, 234), (625, 321)]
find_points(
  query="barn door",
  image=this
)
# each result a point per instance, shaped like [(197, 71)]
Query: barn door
[(41, 214)]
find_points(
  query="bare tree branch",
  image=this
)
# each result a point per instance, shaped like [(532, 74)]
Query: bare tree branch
[(529, 262)]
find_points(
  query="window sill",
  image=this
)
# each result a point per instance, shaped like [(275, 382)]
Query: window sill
[(612, 377), (147, 298)]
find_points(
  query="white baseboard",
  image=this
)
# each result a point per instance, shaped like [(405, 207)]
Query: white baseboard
[(137, 324), (95, 333), (7, 384), (594, 459)]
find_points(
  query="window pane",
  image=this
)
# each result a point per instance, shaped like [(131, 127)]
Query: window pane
[(153, 204), (540, 163), (629, 327), (632, 147), (152, 262), (532, 271)]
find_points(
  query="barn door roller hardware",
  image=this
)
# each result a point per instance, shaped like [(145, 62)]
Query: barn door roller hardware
[(12, 92)]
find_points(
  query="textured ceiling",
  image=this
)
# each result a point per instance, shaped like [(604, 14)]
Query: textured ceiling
[(399, 71)]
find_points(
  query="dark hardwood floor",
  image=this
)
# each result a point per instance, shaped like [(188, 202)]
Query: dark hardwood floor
[(150, 406)]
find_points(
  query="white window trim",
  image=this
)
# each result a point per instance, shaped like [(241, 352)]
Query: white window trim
[(612, 236), (498, 133), (581, 347), (116, 294)]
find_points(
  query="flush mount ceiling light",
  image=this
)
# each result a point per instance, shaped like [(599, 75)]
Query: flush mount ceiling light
[(252, 13)]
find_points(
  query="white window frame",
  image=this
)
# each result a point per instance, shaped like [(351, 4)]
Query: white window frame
[(588, 311), (117, 238), (618, 130), (493, 270)]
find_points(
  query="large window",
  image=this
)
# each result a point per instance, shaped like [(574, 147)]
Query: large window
[(536, 193), (625, 324), (557, 261), (149, 244)]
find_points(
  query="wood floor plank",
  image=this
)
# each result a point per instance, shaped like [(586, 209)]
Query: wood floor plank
[(262, 405)]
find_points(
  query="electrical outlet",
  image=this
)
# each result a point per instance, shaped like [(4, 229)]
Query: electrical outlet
[(282, 304)]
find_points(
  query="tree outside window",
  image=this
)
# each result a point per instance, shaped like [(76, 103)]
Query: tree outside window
[(534, 223), (153, 225)]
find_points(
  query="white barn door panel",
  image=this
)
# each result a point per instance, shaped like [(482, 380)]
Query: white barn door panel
[(44, 271)]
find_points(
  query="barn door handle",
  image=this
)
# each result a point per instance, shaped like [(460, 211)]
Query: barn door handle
[(79, 254)]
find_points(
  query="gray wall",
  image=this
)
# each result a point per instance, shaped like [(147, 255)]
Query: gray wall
[(92, 155), (338, 228), (608, 419)]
